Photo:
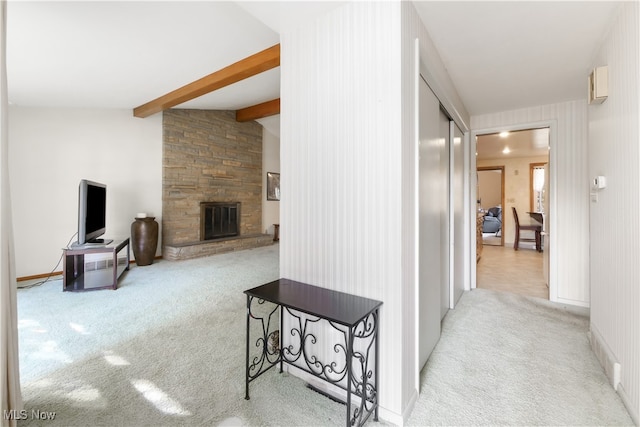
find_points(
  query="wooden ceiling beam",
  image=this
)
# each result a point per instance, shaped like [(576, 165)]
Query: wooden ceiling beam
[(266, 109), (245, 68)]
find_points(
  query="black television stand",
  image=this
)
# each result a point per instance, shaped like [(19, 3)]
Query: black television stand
[(96, 243), (100, 242), (90, 267)]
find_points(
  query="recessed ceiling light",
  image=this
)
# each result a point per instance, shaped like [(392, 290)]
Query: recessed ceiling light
[(506, 150), (504, 134)]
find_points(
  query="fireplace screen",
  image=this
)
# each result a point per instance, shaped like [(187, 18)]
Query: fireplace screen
[(219, 220)]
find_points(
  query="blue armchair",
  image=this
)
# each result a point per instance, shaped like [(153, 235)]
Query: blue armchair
[(492, 220)]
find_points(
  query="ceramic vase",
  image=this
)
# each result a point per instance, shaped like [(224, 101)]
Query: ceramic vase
[(144, 240)]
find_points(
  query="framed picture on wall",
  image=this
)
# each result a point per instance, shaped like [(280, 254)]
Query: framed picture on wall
[(273, 186)]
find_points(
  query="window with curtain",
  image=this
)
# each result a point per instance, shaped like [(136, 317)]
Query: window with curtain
[(537, 186)]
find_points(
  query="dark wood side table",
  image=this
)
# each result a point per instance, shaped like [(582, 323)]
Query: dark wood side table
[(276, 232), (354, 367), (80, 274), (538, 216)]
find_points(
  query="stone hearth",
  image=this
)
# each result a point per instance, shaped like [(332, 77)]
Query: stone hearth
[(213, 247)]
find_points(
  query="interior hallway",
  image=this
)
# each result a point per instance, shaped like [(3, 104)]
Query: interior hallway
[(521, 272)]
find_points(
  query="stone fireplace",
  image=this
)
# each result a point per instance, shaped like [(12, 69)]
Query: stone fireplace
[(211, 166)]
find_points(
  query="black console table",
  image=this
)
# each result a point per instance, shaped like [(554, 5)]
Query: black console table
[(352, 318)]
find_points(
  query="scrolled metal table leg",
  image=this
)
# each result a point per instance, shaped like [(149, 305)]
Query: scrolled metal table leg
[(246, 396), (280, 336), (349, 376), (375, 414)]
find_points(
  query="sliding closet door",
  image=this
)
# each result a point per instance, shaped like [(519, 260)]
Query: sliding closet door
[(445, 213), (430, 195), (458, 215)]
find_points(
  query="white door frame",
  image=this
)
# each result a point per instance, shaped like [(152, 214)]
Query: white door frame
[(552, 220)]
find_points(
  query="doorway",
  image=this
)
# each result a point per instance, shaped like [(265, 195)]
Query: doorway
[(514, 154), (490, 202)]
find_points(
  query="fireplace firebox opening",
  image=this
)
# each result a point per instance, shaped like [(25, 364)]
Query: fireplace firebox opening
[(219, 220)]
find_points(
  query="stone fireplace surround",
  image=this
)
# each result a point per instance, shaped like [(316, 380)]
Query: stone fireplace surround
[(209, 157)]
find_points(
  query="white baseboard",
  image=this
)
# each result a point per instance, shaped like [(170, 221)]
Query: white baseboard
[(627, 403), (605, 356), (409, 409), (569, 302), (390, 417), (612, 369), (341, 395)]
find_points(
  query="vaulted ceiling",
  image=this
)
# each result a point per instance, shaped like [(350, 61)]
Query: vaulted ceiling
[(121, 54)]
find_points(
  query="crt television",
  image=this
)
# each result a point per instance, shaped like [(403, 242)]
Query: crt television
[(92, 210)]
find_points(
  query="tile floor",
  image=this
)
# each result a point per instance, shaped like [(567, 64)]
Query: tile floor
[(502, 269)]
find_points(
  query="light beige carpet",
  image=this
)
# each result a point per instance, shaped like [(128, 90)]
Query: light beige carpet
[(168, 347)]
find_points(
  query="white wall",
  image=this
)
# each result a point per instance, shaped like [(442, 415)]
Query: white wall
[(569, 227), (489, 187), (341, 169), (52, 149), (270, 163), (614, 151), (348, 153)]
